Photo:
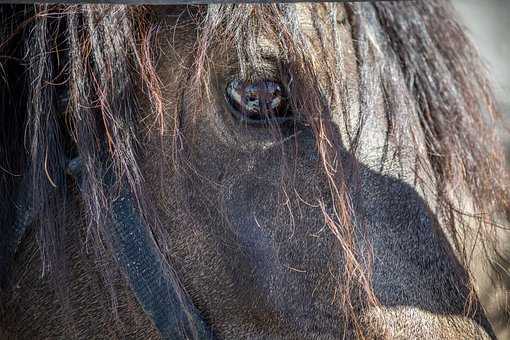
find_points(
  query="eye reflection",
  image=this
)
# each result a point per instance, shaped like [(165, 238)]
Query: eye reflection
[(257, 102)]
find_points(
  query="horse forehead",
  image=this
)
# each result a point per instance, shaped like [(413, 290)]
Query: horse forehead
[(307, 11), (307, 14)]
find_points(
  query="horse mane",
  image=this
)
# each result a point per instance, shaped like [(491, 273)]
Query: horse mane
[(74, 79)]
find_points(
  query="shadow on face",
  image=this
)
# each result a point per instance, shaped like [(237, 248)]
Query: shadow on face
[(246, 199)]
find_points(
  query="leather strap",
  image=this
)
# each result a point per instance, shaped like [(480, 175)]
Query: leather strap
[(11, 237), (156, 287)]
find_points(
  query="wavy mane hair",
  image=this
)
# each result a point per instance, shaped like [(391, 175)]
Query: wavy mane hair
[(74, 81)]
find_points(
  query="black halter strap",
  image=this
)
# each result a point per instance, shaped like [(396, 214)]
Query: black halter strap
[(11, 237), (155, 288)]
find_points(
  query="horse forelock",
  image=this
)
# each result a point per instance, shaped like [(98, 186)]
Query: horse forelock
[(410, 56)]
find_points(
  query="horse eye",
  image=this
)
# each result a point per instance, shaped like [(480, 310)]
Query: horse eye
[(258, 102)]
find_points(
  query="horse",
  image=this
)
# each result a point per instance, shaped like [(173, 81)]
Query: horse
[(249, 171)]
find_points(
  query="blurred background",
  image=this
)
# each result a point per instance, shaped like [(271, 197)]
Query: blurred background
[(488, 24)]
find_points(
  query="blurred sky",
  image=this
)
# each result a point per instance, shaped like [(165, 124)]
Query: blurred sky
[(489, 24)]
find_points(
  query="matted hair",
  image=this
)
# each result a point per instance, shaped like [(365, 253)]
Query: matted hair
[(75, 81)]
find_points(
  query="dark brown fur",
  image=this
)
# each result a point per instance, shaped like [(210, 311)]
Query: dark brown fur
[(119, 67)]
